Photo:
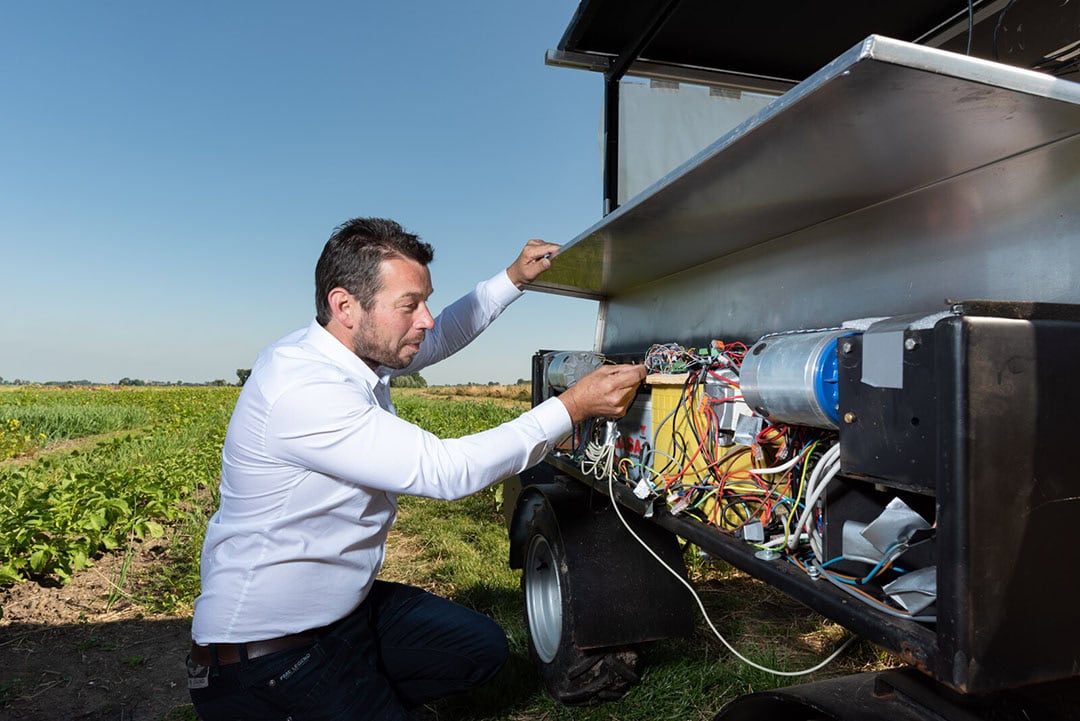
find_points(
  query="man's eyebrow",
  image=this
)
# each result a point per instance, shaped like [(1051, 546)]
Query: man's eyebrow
[(414, 295)]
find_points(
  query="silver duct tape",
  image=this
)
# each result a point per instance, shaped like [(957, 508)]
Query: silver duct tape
[(896, 524), (914, 591)]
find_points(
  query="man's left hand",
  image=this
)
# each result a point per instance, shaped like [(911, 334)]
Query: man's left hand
[(535, 258)]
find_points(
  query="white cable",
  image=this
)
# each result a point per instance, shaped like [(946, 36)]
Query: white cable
[(811, 528), (777, 469), (599, 460), (815, 546), (829, 467), (827, 459), (704, 613), (824, 472)]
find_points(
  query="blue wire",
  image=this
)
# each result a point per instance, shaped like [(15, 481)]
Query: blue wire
[(884, 558)]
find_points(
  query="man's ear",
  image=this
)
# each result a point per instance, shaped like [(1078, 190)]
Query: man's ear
[(344, 308)]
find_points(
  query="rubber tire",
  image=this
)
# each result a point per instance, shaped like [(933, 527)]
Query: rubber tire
[(571, 675)]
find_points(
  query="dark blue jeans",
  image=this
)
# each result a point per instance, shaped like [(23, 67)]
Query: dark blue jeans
[(402, 648)]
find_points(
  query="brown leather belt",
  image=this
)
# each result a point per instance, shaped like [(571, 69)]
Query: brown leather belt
[(230, 652)]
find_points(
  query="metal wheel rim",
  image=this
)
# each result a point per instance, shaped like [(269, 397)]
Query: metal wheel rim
[(543, 599)]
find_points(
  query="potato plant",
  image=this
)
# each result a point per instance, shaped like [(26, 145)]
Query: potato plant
[(58, 510)]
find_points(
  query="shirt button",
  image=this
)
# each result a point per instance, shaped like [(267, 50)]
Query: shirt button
[(271, 683)]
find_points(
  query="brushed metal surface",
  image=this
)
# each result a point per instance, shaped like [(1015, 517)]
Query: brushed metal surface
[(1007, 231), (886, 124)]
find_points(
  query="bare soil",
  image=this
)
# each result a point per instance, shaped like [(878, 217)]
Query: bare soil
[(85, 652)]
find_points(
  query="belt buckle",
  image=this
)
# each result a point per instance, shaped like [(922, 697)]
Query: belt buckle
[(198, 676)]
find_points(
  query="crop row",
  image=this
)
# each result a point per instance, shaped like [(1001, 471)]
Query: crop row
[(33, 418), (58, 511)]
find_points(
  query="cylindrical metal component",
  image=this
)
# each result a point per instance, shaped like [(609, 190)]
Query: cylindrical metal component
[(566, 368), (793, 378)]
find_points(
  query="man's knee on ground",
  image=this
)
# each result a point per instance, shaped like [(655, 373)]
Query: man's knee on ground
[(491, 652)]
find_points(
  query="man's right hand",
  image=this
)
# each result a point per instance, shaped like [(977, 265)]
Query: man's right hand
[(607, 392)]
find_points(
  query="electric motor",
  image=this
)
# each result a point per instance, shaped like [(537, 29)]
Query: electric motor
[(793, 378), (565, 368)]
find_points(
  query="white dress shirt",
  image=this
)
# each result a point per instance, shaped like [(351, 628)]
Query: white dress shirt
[(313, 461)]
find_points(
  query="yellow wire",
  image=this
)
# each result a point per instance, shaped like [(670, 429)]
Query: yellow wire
[(798, 495)]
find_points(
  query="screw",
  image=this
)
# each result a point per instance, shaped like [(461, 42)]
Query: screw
[(849, 417), (910, 344), (845, 347)]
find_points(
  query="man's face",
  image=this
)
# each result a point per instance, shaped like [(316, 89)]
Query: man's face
[(390, 333)]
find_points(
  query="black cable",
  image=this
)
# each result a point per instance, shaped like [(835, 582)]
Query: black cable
[(971, 23), (997, 27)]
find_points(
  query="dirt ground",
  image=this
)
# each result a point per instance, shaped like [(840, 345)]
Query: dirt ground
[(67, 654)]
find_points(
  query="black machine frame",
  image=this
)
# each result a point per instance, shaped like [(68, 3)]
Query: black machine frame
[(976, 431)]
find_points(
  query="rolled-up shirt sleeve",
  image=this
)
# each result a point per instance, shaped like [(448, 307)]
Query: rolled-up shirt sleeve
[(341, 432)]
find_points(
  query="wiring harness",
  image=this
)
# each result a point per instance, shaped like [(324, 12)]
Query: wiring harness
[(711, 458)]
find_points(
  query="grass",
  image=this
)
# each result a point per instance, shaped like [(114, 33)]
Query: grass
[(170, 453), (64, 420), (460, 550), (32, 419)]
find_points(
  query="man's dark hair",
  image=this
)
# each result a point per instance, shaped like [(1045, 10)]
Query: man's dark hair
[(351, 259)]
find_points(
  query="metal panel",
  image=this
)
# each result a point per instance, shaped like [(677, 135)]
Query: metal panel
[(883, 122), (1006, 587), (1007, 231)]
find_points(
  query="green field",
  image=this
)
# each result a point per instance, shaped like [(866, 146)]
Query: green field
[(147, 465)]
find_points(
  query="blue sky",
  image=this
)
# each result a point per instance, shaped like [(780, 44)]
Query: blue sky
[(169, 172)]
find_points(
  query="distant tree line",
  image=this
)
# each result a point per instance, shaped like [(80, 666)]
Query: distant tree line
[(409, 380), (125, 381)]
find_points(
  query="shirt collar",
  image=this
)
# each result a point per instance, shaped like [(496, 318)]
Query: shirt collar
[(324, 342)]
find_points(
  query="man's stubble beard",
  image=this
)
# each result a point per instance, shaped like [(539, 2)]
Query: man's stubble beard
[(366, 349)]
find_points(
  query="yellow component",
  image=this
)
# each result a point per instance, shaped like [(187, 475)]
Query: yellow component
[(680, 458)]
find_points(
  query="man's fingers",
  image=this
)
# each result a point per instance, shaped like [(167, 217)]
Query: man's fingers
[(537, 249), (624, 381), (628, 375), (533, 260), (607, 392)]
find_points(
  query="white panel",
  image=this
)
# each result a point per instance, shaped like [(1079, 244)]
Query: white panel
[(663, 123)]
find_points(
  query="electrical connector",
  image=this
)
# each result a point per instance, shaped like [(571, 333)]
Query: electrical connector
[(753, 532), (611, 432), (680, 505)]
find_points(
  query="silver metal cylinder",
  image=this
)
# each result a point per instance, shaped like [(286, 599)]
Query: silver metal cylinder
[(792, 378), (565, 368)]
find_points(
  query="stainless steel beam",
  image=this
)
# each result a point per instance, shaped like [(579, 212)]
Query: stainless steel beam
[(882, 122)]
